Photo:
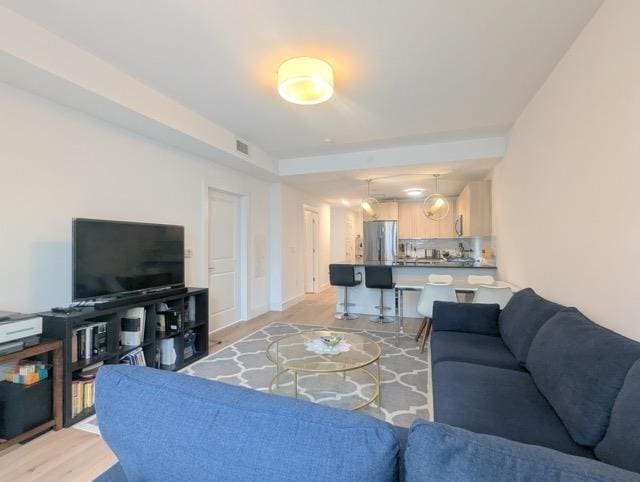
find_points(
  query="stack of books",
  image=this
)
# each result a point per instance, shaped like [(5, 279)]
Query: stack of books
[(88, 341), (136, 357), (25, 372), (82, 389)]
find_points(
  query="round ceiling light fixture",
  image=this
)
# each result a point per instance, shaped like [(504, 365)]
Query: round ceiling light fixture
[(305, 81), (436, 206), (414, 191)]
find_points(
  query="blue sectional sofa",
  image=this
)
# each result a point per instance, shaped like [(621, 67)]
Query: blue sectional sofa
[(535, 392)]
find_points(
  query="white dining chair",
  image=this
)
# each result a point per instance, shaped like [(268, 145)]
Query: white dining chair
[(440, 279), (430, 293), (475, 279), (493, 294)]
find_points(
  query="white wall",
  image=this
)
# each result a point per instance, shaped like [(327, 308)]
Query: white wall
[(340, 216), (566, 194), (290, 234), (56, 164)]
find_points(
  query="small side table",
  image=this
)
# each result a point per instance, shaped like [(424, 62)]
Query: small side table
[(45, 346)]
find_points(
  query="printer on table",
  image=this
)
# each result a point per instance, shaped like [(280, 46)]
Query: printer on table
[(18, 331)]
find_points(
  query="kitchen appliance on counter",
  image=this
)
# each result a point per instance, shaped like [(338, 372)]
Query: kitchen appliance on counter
[(380, 240)]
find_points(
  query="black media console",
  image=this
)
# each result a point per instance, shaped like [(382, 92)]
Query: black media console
[(192, 304)]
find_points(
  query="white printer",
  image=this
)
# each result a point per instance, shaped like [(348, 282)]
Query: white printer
[(18, 330)]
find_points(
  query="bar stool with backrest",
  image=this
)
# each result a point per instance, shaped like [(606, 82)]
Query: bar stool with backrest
[(344, 275), (380, 277), (475, 279), (493, 295), (430, 293)]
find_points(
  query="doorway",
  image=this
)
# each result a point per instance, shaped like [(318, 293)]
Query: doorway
[(311, 241), (224, 259)]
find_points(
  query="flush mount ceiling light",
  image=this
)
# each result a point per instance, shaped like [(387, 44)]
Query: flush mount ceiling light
[(414, 191), (305, 80), (370, 204), (436, 206)]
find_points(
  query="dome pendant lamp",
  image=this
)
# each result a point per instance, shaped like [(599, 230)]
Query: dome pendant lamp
[(436, 206), (370, 204), (305, 81)]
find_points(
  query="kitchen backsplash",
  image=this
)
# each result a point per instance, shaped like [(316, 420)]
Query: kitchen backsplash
[(483, 247)]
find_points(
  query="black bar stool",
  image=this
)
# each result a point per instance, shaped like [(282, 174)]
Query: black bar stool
[(380, 277), (344, 275)]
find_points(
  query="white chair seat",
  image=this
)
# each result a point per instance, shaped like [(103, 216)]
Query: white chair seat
[(493, 294), (435, 292)]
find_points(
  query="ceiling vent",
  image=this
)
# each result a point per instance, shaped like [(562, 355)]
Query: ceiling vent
[(242, 147)]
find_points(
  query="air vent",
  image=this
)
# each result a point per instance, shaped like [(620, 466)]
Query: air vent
[(242, 147)]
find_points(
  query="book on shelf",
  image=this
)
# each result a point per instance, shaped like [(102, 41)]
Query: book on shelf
[(132, 326), (135, 357), (88, 341)]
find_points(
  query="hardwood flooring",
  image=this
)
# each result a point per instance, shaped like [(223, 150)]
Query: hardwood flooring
[(73, 455)]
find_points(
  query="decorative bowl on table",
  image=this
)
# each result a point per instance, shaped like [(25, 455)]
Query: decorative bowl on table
[(331, 340)]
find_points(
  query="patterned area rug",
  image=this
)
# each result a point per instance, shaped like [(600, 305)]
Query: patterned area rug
[(405, 374)]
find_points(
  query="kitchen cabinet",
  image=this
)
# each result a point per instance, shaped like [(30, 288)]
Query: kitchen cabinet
[(412, 223), (386, 211), (473, 209)]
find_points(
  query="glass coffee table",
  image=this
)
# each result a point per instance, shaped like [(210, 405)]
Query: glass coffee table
[(294, 354)]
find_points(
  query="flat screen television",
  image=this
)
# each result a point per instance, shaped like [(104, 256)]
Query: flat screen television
[(113, 258)]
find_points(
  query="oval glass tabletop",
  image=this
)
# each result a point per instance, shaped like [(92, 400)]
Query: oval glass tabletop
[(296, 352)]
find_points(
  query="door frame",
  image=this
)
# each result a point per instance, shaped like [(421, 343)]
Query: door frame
[(315, 255), (243, 245)]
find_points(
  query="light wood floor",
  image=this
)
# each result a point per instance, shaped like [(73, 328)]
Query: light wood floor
[(74, 455)]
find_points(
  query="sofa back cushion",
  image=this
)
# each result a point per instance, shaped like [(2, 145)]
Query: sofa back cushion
[(521, 319), (442, 452), (168, 426), (621, 444), (478, 318), (580, 367)]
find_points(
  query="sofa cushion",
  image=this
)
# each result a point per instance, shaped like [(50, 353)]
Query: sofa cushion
[(233, 433), (466, 317), (521, 319), (621, 444), (471, 348), (498, 401), (580, 367), (442, 452)]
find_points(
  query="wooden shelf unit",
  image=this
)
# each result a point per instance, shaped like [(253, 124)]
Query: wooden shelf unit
[(60, 326)]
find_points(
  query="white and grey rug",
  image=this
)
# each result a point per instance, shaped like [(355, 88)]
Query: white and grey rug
[(405, 375)]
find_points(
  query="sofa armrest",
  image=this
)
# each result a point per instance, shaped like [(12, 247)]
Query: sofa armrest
[(466, 317), (442, 452)]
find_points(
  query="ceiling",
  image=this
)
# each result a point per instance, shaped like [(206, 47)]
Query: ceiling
[(390, 183), (407, 71)]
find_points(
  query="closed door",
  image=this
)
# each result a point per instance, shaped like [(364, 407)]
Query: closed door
[(224, 262), (349, 242), (311, 251)]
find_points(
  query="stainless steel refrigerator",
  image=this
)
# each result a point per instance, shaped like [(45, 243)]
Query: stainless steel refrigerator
[(380, 241)]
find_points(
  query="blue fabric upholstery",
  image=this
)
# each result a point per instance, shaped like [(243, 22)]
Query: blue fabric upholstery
[(441, 452), (621, 444), (466, 317), (580, 367), (521, 319), (498, 401), (233, 433), (471, 348)]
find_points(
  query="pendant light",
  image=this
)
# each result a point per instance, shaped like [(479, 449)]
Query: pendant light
[(436, 206), (370, 204)]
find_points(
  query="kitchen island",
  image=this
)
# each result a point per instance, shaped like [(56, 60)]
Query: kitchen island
[(365, 299)]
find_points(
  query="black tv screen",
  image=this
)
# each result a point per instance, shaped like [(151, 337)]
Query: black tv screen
[(114, 257)]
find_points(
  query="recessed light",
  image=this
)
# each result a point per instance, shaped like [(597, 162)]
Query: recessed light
[(345, 202), (414, 191), (327, 140)]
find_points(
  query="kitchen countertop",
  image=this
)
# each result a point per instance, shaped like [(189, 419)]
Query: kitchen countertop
[(443, 264)]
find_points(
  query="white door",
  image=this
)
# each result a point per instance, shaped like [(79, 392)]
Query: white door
[(349, 242), (224, 262), (310, 251)]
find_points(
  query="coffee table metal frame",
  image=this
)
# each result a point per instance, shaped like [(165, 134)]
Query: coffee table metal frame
[(360, 366)]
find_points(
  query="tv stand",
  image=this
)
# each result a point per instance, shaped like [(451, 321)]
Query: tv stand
[(193, 303)]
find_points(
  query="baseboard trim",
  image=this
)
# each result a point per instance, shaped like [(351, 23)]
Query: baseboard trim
[(292, 301)]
